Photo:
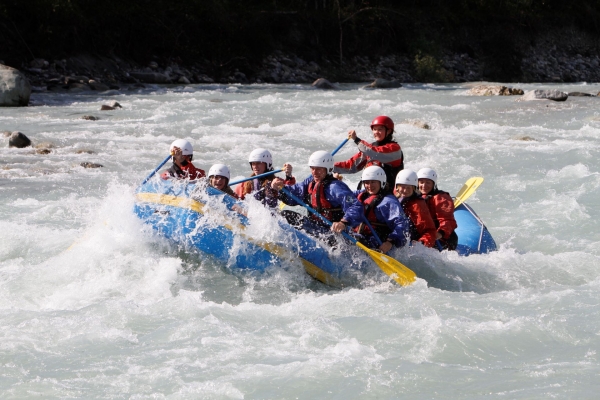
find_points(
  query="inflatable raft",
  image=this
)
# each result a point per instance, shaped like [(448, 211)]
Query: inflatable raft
[(202, 218), (473, 235)]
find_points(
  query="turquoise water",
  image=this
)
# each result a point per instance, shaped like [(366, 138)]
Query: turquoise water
[(93, 305)]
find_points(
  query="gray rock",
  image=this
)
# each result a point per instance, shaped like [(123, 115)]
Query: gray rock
[(580, 94), (76, 79), (153, 64), (15, 89), (90, 118), (151, 77), (91, 165), (95, 85), (417, 123), (18, 140), (84, 151), (494, 90), (323, 83), (184, 80), (380, 83), (540, 94), (114, 106), (78, 87), (39, 63), (312, 67), (43, 151)]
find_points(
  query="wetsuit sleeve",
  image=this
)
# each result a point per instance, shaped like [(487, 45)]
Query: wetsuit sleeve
[(298, 190), (351, 166), (340, 195), (389, 153), (423, 223), (444, 212), (390, 211)]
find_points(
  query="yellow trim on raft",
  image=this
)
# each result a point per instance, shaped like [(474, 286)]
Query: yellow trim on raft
[(281, 252)]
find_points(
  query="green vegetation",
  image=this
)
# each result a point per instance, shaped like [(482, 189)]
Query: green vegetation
[(239, 33)]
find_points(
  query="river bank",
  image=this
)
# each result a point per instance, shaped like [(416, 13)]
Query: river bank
[(546, 60)]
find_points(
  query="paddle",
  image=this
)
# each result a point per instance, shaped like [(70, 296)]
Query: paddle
[(256, 177), (393, 268), (339, 147), (467, 190), (156, 169)]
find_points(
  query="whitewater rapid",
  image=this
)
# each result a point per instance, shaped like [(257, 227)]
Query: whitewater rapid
[(94, 305)]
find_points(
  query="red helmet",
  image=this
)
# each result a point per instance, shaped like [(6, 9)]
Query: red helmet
[(383, 120)]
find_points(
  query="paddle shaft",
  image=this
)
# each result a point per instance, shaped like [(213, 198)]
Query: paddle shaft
[(256, 177), (339, 147), (156, 169)]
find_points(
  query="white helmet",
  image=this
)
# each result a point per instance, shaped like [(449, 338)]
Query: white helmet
[(407, 177), (220, 170), (374, 173), (323, 159), (427, 173), (184, 145), (261, 155)]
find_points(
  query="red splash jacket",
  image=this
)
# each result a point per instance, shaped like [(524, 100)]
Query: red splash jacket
[(386, 154), (188, 171), (441, 208), (422, 227)]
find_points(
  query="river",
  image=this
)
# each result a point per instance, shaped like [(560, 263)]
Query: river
[(93, 305)]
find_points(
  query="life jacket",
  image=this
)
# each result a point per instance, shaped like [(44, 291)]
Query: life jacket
[(370, 203), (318, 201), (452, 240), (390, 171)]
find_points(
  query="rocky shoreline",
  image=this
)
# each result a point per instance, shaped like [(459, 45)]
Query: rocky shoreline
[(85, 72)]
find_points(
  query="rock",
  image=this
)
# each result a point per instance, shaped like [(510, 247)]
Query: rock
[(78, 87), (380, 83), (312, 67), (201, 78), (84, 151), (18, 140), (95, 85), (45, 145), (39, 63), (6, 133), (153, 64), (151, 77), (524, 138), (183, 80), (43, 151), (91, 165), (540, 94), (76, 79), (15, 89), (494, 90), (580, 94), (417, 123), (114, 106), (323, 83), (90, 118)]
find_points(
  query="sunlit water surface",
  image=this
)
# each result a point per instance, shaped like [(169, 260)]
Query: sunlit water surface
[(93, 305)]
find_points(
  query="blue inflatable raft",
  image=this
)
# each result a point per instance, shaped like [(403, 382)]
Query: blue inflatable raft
[(202, 218), (473, 235)]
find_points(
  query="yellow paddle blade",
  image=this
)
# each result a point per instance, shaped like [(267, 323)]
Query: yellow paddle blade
[(467, 190), (403, 275)]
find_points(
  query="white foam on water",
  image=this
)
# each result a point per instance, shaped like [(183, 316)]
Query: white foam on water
[(125, 313)]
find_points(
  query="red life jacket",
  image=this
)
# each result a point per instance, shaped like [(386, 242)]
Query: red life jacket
[(370, 202), (318, 201)]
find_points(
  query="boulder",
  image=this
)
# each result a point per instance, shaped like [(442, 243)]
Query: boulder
[(494, 90), (540, 94), (151, 77), (580, 94), (184, 80), (417, 123), (95, 85), (114, 106), (84, 151), (43, 151), (39, 63), (18, 140), (76, 79), (91, 165), (15, 89), (323, 83), (90, 118), (380, 83)]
